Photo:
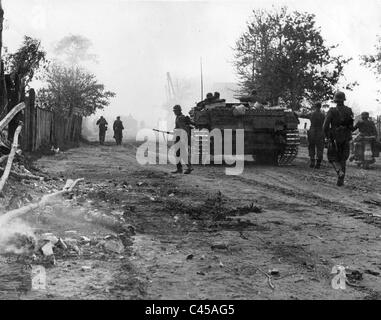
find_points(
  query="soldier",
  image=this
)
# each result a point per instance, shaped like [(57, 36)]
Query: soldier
[(338, 126), (182, 122), (216, 98), (366, 128), (102, 123), (209, 100), (315, 137), (118, 129)]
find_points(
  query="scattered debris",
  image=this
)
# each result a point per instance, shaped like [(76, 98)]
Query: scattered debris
[(50, 237), (85, 239), (61, 244), (115, 246), (71, 231), (221, 246), (246, 209), (373, 273), (340, 278), (85, 268), (274, 272), (47, 249), (70, 184), (38, 275), (269, 278), (353, 275)]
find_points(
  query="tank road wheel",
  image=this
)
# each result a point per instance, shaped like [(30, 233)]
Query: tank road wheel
[(290, 149)]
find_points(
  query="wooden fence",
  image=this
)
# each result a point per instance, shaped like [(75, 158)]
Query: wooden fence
[(44, 128)]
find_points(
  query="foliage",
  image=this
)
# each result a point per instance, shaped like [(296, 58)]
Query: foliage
[(27, 60), (72, 89), (284, 57), (74, 49), (373, 62)]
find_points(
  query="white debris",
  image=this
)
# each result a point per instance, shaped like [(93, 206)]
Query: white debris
[(85, 268), (114, 246), (47, 249), (85, 239), (38, 278)]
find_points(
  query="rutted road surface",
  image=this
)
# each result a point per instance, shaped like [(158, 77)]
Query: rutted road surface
[(212, 236)]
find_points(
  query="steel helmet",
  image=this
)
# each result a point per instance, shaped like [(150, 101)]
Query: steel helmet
[(339, 96), (209, 95), (177, 107), (365, 115)]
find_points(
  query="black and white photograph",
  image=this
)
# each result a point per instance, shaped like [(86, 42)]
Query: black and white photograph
[(204, 152)]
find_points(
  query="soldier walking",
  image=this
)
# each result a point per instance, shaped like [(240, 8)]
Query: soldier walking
[(102, 123), (118, 131), (338, 126), (315, 137), (182, 122)]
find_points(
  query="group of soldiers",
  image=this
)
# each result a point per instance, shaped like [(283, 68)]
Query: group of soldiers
[(336, 128), (117, 127), (210, 99)]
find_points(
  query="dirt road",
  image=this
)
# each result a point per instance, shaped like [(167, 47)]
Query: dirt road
[(211, 236)]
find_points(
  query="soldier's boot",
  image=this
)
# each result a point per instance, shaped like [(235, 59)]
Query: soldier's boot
[(179, 169), (318, 163), (340, 178), (312, 163), (188, 170)]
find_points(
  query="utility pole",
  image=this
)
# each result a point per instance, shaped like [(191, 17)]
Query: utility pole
[(202, 81)]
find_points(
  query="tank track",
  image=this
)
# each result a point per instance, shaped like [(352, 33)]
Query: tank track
[(290, 151)]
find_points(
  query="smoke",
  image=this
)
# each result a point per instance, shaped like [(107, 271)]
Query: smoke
[(16, 236), (74, 50)]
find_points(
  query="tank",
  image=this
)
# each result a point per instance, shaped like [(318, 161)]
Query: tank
[(270, 133)]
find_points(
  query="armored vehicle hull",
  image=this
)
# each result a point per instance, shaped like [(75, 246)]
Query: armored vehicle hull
[(270, 134)]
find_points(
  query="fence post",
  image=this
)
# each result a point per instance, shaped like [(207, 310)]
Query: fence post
[(32, 119)]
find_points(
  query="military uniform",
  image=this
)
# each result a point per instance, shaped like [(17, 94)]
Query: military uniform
[(118, 129), (183, 123), (366, 128), (316, 137), (102, 123), (338, 127)]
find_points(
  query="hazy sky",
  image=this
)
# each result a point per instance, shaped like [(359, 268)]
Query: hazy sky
[(137, 42)]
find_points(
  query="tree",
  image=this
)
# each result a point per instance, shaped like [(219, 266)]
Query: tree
[(373, 62), (75, 49), (70, 89), (283, 56), (29, 58)]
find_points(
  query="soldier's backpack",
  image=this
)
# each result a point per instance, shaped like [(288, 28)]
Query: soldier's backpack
[(343, 132)]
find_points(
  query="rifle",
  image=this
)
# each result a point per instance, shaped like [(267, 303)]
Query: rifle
[(167, 132)]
